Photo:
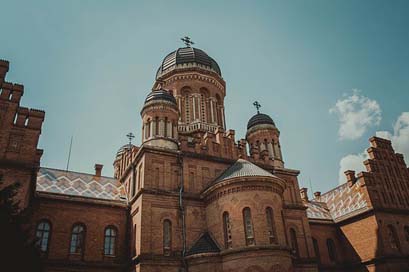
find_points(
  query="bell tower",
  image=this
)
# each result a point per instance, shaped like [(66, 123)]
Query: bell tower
[(196, 82)]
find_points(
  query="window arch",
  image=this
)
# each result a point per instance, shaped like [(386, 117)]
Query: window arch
[(406, 230), (110, 241), (316, 250), (248, 227), (270, 225), (227, 230), (393, 238), (294, 243), (332, 252), (167, 237), (77, 239), (43, 233)]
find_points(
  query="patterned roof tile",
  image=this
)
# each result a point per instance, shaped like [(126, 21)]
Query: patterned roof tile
[(78, 184)]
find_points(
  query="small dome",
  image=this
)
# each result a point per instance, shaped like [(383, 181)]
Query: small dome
[(188, 55), (160, 95), (123, 149), (260, 119)]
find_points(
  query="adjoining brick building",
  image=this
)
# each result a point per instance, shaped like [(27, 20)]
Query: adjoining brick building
[(192, 198)]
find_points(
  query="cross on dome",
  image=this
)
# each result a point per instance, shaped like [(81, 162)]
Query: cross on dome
[(257, 105), (188, 42)]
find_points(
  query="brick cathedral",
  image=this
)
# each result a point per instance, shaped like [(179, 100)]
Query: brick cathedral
[(192, 198)]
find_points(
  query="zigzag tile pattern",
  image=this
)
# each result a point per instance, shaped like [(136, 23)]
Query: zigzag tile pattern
[(79, 184), (342, 202)]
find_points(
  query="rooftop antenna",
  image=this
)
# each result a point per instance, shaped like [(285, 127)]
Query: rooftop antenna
[(130, 137), (69, 154), (257, 105), (188, 42)]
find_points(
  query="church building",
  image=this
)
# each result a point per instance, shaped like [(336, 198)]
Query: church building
[(193, 198)]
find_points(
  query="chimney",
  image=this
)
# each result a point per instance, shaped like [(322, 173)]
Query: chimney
[(304, 194), (317, 196), (98, 169), (351, 179)]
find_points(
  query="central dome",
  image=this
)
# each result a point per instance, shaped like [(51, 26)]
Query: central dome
[(187, 55)]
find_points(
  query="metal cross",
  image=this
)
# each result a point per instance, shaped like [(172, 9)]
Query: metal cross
[(130, 137), (257, 105), (187, 41)]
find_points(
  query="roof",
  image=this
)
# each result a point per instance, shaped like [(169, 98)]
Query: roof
[(123, 149), (205, 244), (260, 119), (341, 202), (160, 95), (78, 184), (318, 210), (243, 168), (188, 55)]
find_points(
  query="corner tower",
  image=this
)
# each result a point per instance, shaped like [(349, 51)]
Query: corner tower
[(196, 82)]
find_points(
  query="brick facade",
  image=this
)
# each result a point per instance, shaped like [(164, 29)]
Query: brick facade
[(192, 198)]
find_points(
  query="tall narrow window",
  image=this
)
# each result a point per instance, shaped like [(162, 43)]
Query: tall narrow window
[(227, 230), (316, 249), (248, 227), (294, 243), (406, 230), (270, 225), (393, 238), (110, 241), (77, 239), (43, 232), (133, 246), (332, 252), (167, 237)]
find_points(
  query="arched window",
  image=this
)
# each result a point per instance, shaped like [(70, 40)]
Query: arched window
[(271, 226), (110, 241), (248, 227), (167, 237), (77, 239), (294, 243), (316, 250), (393, 238), (43, 233), (332, 252), (406, 229), (227, 230)]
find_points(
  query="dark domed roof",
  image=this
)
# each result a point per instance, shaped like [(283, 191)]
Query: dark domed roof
[(123, 149), (188, 55), (260, 119), (160, 95)]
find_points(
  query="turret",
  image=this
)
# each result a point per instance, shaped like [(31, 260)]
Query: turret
[(263, 139), (160, 120)]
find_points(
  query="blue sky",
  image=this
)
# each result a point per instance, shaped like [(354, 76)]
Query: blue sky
[(90, 64)]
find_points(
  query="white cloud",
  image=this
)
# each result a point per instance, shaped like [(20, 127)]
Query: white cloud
[(400, 135), (399, 139), (356, 113), (351, 162)]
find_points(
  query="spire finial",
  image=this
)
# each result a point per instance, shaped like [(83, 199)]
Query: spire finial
[(130, 137), (257, 105), (188, 42)]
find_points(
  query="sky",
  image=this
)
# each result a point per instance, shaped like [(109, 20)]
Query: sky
[(330, 73)]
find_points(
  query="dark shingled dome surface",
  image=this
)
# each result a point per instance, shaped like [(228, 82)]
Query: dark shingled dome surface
[(188, 55), (260, 119), (160, 95)]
